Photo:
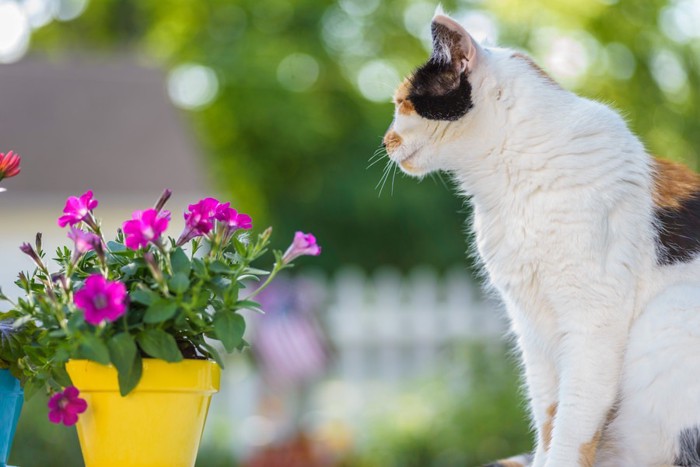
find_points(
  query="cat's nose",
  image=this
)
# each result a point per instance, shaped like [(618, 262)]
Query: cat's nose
[(391, 141)]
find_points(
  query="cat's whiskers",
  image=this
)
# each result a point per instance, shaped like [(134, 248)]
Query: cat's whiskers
[(379, 154), (439, 177), (393, 177), (385, 176)]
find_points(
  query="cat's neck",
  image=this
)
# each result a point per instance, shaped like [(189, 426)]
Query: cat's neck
[(565, 146)]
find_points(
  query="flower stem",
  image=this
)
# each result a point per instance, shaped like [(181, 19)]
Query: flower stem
[(277, 268)]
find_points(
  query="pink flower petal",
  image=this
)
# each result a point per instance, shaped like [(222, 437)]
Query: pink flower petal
[(69, 418), (55, 416)]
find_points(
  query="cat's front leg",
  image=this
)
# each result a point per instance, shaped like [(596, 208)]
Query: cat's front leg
[(542, 387), (591, 353)]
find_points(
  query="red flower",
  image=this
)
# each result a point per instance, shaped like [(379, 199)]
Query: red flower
[(9, 165), (65, 406)]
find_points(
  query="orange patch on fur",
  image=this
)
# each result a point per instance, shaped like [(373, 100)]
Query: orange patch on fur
[(548, 426), (392, 140), (406, 108), (536, 67), (673, 184), (401, 100), (401, 93), (588, 450)]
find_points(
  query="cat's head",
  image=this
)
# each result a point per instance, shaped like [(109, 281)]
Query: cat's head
[(456, 107)]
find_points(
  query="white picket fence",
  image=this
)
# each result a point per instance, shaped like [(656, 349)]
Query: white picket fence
[(388, 327)]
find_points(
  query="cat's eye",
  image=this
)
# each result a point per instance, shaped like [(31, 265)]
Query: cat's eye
[(399, 101)]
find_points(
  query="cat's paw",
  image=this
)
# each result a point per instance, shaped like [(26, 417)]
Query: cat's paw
[(523, 460)]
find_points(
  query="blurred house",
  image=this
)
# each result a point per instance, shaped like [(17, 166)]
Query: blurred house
[(84, 123)]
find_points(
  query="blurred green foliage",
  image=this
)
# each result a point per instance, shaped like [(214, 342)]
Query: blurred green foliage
[(298, 157), (41, 443), (472, 416)]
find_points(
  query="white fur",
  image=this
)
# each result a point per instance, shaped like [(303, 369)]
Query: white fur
[(563, 215)]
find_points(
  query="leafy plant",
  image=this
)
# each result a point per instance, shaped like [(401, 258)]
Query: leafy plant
[(140, 295)]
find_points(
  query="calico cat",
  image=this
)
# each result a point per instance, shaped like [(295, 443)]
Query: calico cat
[(592, 244)]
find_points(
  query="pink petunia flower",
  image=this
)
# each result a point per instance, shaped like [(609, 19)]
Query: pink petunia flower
[(78, 210), (303, 244), (101, 299), (65, 406), (199, 219), (84, 241), (9, 165), (231, 218), (145, 227)]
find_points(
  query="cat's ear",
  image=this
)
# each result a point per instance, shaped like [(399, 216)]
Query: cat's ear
[(452, 44)]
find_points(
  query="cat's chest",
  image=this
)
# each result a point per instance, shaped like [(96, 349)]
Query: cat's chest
[(519, 248)]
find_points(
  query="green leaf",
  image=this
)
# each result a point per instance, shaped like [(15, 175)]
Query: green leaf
[(245, 277), (115, 247), (240, 247), (123, 353), (94, 349), (60, 374), (220, 284), (129, 269), (199, 268), (57, 333), (180, 262), (159, 311), (213, 353), (179, 283), (249, 305), (130, 379), (257, 272), (144, 296), (159, 344), (219, 267), (75, 322), (229, 328)]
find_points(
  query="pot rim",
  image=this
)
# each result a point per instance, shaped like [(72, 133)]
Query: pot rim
[(189, 375)]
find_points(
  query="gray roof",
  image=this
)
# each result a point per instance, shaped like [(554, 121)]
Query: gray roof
[(105, 124)]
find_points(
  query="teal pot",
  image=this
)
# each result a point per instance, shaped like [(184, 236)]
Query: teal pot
[(11, 399)]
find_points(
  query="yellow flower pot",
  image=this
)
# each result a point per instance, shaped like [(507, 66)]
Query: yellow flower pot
[(158, 424)]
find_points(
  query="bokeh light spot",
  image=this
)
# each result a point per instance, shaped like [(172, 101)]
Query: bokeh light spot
[(358, 7), (14, 32), (416, 19), (40, 12), (70, 9), (298, 72), (480, 25), (620, 60), (377, 80), (668, 71), (192, 86)]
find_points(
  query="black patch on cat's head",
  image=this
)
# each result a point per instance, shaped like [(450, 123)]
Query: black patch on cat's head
[(439, 91)]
